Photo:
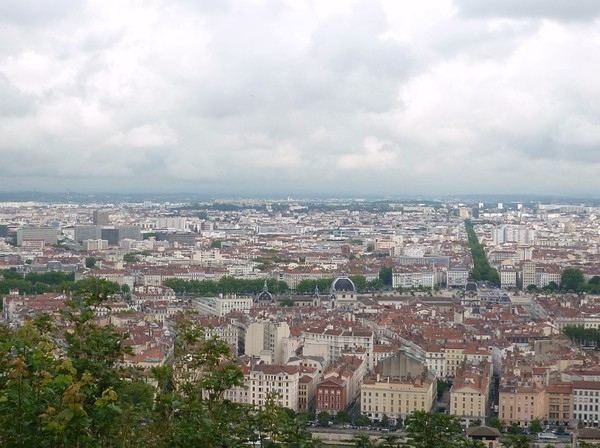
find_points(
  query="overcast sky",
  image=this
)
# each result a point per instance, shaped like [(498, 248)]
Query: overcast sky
[(335, 97)]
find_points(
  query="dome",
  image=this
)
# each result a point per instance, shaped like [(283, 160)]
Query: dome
[(471, 286), (342, 284), (265, 296)]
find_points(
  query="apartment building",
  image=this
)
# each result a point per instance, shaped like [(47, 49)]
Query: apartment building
[(338, 340), (586, 396), (469, 394), (521, 404), (457, 277), (280, 379), (267, 339), (397, 398), (559, 403), (400, 386), (221, 306)]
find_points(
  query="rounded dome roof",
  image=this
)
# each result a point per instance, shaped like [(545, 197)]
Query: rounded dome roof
[(264, 296), (342, 284)]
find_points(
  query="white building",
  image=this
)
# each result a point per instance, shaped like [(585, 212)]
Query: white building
[(268, 340), (221, 306)]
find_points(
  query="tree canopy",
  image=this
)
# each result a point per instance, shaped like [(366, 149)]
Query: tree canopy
[(481, 269), (64, 384)]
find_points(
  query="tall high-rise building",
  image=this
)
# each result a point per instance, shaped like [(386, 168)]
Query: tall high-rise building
[(86, 233), (111, 235), (101, 217)]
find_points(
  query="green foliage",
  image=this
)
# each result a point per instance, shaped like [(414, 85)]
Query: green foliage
[(216, 244), (225, 285), (362, 441), (66, 389), (389, 441), (288, 301), (131, 258), (516, 441), (386, 275), (362, 420), (90, 262), (434, 430), (323, 418), (584, 336), (308, 286), (551, 287), (442, 386), (535, 426), (572, 280), (71, 400), (342, 417), (514, 429), (482, 269), (34, 282)]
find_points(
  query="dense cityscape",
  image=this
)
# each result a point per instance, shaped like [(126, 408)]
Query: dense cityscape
[(353, 315)]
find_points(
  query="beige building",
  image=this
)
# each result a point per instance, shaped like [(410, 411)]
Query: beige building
[(559, 403), (401, 385), (283, 380), (521, 404), (334, 342), (266, 340), (221, 306), (397, 398), (453, 357), (469, 393)]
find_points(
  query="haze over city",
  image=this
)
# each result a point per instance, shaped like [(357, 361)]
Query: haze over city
[(300, 97)]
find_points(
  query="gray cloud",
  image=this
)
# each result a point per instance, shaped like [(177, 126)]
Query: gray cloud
[(555, 9), (378, 97)]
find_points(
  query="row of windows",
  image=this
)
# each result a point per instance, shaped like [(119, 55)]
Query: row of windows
[(584, 407), (586, 393)]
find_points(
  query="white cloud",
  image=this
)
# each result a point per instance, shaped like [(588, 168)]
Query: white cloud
[(375, 96), (145, 136), (377, 155)]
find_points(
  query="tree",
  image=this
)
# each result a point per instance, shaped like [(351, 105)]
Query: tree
[(432, 430), (514, 429), (362, 441), (324, 418), (550, 287), (386, 275), (62, 384), (516, 441), (343, 417), (442, 386), (389, 441), (77, 399), (287, 301), (90, 262), (385, 421), (362, 420), (595, 280), (572, 280), (131, 258), (531, 288), (535, 426)]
